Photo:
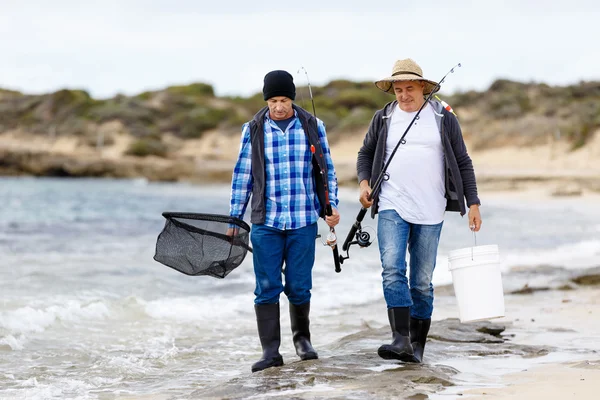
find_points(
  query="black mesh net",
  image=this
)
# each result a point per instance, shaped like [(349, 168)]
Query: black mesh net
[(198, 244)]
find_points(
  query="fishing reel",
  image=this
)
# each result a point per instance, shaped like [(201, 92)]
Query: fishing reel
[(360, 237), (363, 239), (330, 240)]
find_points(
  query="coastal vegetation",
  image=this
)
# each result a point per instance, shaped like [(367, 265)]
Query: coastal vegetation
[(508, 112), (156, 133)]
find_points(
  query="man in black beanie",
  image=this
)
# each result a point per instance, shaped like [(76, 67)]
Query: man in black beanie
[(285, 164)]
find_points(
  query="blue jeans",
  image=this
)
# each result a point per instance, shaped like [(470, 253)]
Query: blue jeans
[(271, 248), (394, 236)]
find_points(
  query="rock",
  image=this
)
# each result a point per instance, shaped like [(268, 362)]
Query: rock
[(568, 189), (529, 290), (451, 330), (356, 371), (588, 277)]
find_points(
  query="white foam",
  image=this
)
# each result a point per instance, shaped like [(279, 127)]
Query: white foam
[(200, 308), (60, 388), (15, 343), (574, 255), (29, 319)]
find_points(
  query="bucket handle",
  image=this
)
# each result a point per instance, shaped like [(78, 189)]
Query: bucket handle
[(474, 240)]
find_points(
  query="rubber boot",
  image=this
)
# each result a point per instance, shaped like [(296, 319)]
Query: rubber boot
[(401, 348), (269, 332), (300, 331), (419, 328)]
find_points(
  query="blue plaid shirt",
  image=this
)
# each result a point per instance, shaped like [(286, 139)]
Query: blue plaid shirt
[(290, 196)]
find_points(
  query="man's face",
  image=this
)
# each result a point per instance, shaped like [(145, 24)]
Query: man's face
[(280, 108), (409, 95)]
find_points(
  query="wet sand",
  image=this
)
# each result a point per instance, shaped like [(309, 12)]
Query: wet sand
[(575, 380), (562, 316)]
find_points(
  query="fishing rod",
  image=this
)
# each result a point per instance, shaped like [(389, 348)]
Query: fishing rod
[(356, 234), (331, 240)]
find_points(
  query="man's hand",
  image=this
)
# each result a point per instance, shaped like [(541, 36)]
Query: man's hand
[(474, 218), (365, 191), (333, 219)]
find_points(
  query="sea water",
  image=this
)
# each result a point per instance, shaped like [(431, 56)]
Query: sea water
[(86, 313)]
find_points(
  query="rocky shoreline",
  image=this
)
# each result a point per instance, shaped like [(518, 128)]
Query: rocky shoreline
[(357, 372), (457, 354), (187, 169)]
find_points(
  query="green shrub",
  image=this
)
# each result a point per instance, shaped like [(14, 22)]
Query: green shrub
[(73, 126), (463, 99), (147, 147), (193, 123), (250, 104), (358, 118), (128, 110), (67, 97), (194, 89), (234, 119), (330, 119), (340, 84), (584, 90), (7, 93), (145, 96), (510, 104), (67, 104), (352, 98)]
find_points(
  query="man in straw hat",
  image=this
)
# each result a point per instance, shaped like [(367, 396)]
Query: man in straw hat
[(430, 173), (285, 164)]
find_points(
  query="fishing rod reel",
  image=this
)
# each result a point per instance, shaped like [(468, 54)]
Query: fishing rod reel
[(330, 240), (361, 237)]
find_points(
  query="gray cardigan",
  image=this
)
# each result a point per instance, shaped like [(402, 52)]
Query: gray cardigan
[(459, 173)]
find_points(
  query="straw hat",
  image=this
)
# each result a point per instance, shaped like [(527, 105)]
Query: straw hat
[(406, 70)]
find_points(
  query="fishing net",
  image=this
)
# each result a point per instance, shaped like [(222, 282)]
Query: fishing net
[(198, 244)]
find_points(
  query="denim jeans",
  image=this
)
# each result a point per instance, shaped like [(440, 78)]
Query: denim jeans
[(271, 248), (394, 236)]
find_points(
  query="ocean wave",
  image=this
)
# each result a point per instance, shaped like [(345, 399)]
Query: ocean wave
[(29, 319), (222, 306), (13, 342), (583, 254)]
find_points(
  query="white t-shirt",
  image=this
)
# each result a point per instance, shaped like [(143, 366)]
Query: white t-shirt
[(416, 188)]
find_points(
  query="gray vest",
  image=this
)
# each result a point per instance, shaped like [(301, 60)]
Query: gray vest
[(257, 139)]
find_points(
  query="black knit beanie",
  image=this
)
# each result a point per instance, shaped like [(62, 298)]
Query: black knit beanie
[(279, 83)]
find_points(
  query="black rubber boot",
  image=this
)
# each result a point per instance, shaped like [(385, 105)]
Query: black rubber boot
[(400, 349), (419, 328), (300, 331), (269, 332)]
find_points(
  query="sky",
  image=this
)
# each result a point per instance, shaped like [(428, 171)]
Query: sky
[(129, 46)]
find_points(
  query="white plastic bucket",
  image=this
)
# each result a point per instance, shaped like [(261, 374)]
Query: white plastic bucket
[(477, 282)]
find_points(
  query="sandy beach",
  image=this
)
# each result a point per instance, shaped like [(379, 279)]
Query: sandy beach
[(575, 380), (563, 317), (567, 321)]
